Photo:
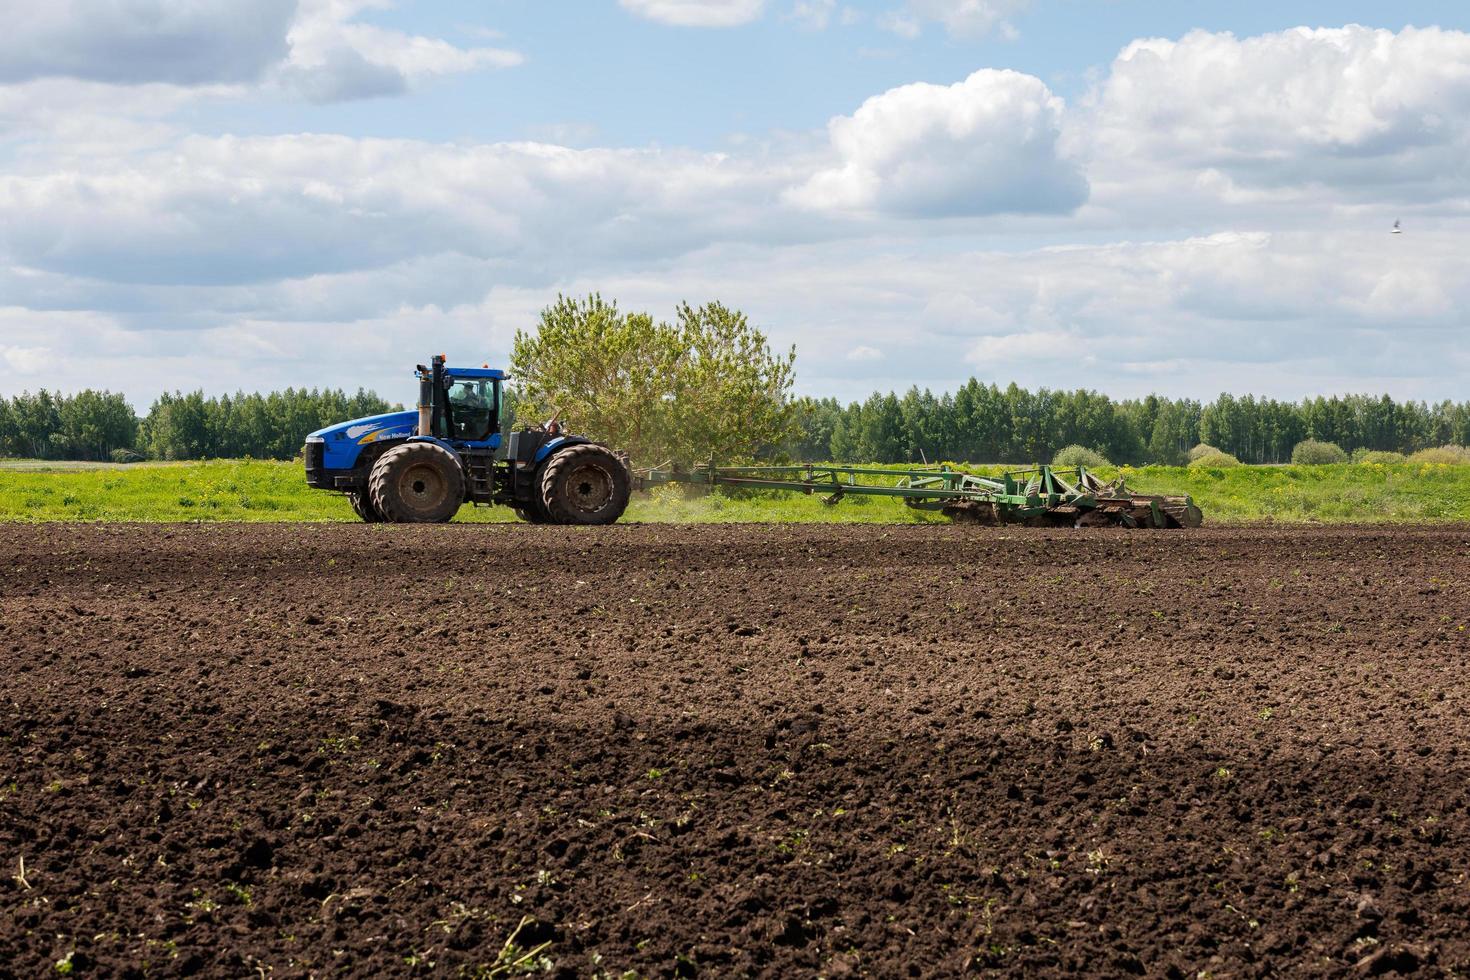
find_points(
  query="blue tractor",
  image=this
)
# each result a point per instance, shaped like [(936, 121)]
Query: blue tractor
[(419, 466)]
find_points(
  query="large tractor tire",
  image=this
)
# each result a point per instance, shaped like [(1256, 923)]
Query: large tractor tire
[(362, 506), (585, 484), (416, 483)]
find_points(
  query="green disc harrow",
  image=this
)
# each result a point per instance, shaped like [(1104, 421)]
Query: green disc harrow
[(1041, 496)]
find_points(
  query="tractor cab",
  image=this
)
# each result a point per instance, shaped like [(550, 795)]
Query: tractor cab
[(462, 404)]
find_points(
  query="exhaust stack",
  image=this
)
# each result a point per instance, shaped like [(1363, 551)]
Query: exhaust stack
[(431, 387), (426, 401)]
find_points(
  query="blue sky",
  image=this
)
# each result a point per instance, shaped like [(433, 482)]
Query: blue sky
[(1128, 196)]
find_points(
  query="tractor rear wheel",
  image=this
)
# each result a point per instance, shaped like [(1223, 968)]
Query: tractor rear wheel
[(584, 484), (362, 506), (417, 483)]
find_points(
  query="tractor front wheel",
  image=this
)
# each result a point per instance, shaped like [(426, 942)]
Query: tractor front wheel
[(362, 506), (585, 484), (417, 483)]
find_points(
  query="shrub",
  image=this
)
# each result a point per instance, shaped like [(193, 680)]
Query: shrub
[(1212, 458), (1381, 456), (125, 456), (1079, 456), (1310, 452), (1456, 455), (1203, 449)]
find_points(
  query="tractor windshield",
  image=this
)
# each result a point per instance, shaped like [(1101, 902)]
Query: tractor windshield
[(474, 408)]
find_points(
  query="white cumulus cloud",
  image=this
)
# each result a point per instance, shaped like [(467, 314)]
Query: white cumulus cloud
[(25, 360), (238, 210), (314, 48), (986, 145), (136, 41), (333, 56), (1362, 110)]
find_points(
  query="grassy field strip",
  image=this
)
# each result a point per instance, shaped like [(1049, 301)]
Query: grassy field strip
[(272, 491), (76, 465)]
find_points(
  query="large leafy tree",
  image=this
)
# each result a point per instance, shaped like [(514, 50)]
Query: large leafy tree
[(706, 386), (606, 372), (731, 396)]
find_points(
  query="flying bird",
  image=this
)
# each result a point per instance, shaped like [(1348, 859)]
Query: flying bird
[(1396, 229)]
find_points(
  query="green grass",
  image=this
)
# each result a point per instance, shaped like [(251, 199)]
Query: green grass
[(270, 491), (68, 465), (1354, 493), (213, 491)]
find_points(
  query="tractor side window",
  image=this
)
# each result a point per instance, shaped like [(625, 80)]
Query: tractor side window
[(472, 409)]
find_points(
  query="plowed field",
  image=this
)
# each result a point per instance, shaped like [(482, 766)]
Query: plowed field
[(726, 750)]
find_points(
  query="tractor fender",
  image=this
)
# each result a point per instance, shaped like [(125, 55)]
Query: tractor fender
[(441, 444), (453, 453), (556, 445)]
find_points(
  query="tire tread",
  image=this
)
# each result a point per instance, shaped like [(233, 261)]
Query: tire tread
[(382, 490), (551, 475)]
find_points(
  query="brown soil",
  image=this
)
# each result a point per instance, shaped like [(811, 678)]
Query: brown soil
[(734, 750)]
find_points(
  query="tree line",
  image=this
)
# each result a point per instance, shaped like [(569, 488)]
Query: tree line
[(984, 423), (709, 386), (101, 425), (977, 423)]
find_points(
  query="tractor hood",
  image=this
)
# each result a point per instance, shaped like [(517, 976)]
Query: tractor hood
[(363, 431), (345, 440)]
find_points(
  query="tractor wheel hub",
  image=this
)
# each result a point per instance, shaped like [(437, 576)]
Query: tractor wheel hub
[(591, 488), (424, 485)]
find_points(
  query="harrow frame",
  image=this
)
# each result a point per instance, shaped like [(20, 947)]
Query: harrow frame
[(1042, 495)]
